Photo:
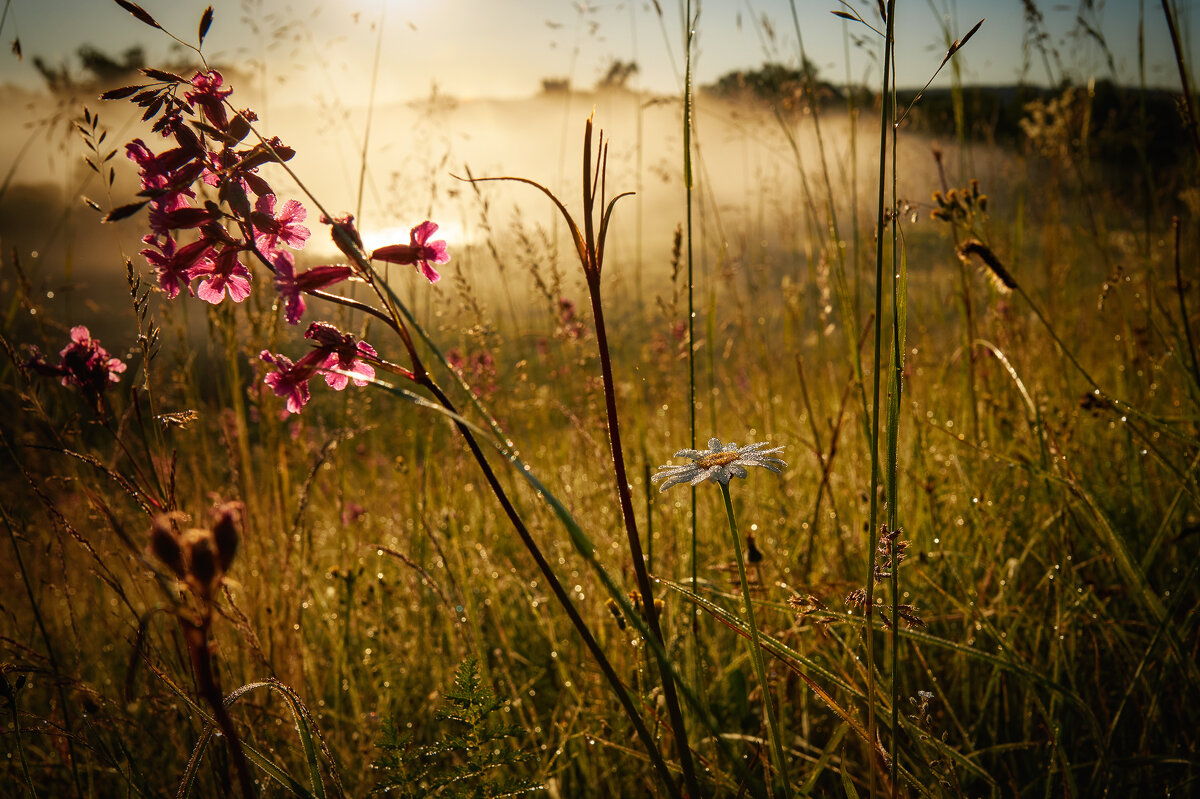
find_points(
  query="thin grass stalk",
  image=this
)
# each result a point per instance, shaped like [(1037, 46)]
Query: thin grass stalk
[(884, 125), (756, 656), (12, 693), (362, 169), (847, 298), (37, 615), (1183, 312), (1189, 111), (590, 245), (893, 433), (691, 312), (560, 594), (1176, 600)]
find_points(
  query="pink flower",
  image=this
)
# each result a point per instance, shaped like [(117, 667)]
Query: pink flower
[(176, 268), (175, 168), (210, 97), (291, 287), (343, 353), (88, 362), (418, 252), (271, 229), (334, 350), (167, 178), (84, 364), (226, 273), (290, 380)]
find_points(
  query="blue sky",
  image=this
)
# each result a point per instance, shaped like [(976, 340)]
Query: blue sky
[(503, 48)]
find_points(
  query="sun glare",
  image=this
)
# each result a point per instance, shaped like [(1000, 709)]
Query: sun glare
[(451, 232)]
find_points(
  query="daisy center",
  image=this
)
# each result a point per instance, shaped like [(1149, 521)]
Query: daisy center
[(718, 459)]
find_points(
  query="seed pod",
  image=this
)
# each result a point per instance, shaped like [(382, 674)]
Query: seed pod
[(752, 551), (225, 533), (164, 545), (203, 564), (995, 270), (615, 610)]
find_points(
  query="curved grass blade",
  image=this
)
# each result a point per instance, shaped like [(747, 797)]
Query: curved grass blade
[(299, 712)]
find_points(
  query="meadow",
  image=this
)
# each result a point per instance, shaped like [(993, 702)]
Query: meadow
[(855, 454)]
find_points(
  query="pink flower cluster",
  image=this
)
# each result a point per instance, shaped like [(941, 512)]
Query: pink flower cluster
[(207, 247), (215, 258), (83, 363)]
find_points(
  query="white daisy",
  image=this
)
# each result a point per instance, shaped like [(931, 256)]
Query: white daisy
[(718, 464)]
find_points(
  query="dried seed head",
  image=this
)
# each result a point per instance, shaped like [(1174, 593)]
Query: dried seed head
[(995, 271), (225, 533), (615, 610), (202, 564), (911, 616), (752, 552), (164, 545)]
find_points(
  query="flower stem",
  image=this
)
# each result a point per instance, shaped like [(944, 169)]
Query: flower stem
[(756, 648), (645, 588)]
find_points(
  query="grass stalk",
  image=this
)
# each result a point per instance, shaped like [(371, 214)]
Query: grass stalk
[(756, 655), (50, 655), (688, 32), (1181, 289), (885, 128), (895, 382), (1189, 111)]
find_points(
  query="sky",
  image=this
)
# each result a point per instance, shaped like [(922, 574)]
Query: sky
[(504, 48)]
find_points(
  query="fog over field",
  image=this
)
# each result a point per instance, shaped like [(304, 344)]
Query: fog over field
[(750, 183)]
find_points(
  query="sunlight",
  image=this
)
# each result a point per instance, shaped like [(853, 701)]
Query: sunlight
[(451, 232)]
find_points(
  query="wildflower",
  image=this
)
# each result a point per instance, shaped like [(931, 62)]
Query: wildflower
[(343, 353), (226, 273), (271, 228), (84, 364), (291, 287), (172, 171), (419, 251), (174, 268), (210, 97), (717, 464), (290, 380), (334, 350)]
